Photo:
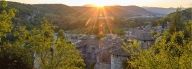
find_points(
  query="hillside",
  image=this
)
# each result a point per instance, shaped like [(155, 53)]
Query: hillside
[(184, 15), (61, 15), (158, 10), (31, 15), (120, 11), (25, 13), (54, 8), (70, 18)]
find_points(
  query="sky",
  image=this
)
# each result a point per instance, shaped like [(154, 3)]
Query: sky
[(142, 3)]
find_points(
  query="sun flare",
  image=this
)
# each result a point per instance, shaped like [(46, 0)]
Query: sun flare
[(99, 5), (99, 22)]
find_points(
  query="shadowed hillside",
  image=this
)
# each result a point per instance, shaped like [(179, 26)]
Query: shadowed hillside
[(72, 18)]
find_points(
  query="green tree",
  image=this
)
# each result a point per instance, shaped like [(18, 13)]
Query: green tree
[(176, 22), (165, 55), (65, 55), (172, 50), (53, 51), (25, 49), (12, 54), (6, 17)]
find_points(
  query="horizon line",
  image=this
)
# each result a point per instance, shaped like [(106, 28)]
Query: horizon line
[(104, 5)]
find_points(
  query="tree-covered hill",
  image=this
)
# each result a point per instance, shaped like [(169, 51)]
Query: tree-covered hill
[(159, 10), (120, 11), (130, 11), (31, 15), (71, 18), (171, 48), (25, 13), (185, 15), (36, 48), (55, 8)]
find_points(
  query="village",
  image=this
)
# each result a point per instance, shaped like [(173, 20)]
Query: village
[(107, 52)]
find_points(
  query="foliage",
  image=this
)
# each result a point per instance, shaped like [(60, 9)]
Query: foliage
[(5, 20), (38, 47), (53, 51), (165, 54), (75, 18), (172, 50), (12, 57), (66, 52)]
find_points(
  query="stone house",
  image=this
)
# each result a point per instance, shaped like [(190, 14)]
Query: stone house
[(107, 44), (96, 52), (143, 35), (88, 45), (118, 57)]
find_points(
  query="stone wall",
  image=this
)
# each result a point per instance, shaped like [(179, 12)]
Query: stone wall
[(117, 61)]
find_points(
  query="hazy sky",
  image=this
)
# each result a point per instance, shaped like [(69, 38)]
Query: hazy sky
[(149, 3)]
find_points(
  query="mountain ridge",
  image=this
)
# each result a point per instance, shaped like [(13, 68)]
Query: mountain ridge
[(69, 17)]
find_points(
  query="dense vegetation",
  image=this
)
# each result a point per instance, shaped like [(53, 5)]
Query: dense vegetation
[(74, 19), (37, 47), (29, 40), (172, 48)]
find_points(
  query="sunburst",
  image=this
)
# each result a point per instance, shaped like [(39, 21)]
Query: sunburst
[(99, 21), (99, 5)]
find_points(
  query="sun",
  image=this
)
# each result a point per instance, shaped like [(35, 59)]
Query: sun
[(99, 5)]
